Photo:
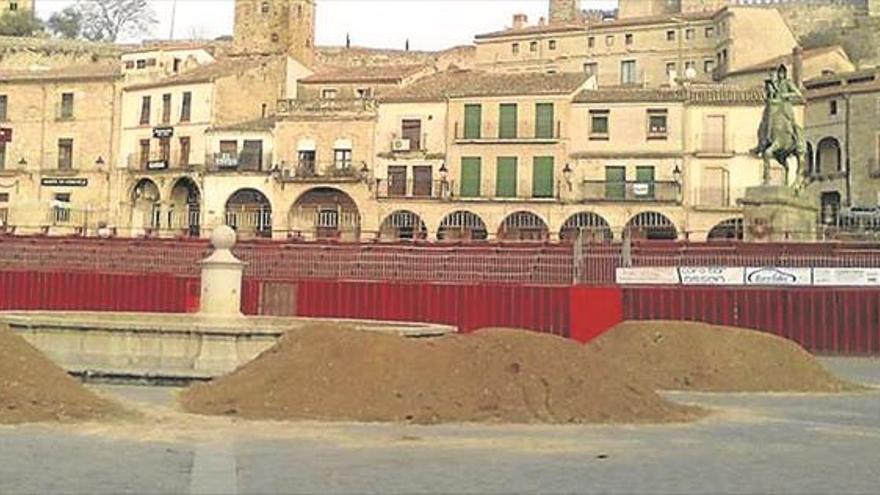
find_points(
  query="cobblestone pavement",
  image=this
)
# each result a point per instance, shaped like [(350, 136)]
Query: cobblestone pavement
[(754, 443)]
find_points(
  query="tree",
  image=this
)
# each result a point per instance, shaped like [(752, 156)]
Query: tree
[(67, 24), (19, 23), (108, 20)]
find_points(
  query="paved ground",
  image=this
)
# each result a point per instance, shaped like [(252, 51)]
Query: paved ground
[(753, 444)]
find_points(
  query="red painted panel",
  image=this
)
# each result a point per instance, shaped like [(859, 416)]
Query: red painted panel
[(594, 310)]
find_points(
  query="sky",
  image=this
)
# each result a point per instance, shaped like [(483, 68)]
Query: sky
[(428, 24)]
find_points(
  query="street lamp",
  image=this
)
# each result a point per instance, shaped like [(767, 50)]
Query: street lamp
[(22, 163), (676, 174), (99, 162), (567, 172), (444, 172)]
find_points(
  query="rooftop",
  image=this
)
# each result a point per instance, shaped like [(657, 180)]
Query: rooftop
[(710, 94), (861, 81), (467, 83), (74, 72), (209, 72), (786, 58), (375, 73)]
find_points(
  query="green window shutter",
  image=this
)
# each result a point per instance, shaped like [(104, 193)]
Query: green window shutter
[(505, 177), (544, 120), (473, 121), (615, 182), (542, 177), (507, 121), (645, 175), (470, 177)]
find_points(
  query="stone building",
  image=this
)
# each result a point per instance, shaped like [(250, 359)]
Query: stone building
[(276, 27), (15, 6)]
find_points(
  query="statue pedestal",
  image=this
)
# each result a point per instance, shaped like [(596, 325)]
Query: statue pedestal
[(777, 214)]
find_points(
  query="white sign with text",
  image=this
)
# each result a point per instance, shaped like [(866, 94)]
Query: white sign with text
[(847, 277), (647, 275), (771, 275), (712, 275)]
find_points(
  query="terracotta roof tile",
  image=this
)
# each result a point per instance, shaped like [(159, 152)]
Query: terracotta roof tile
[(209, 72), (466, 83), (92, 71), (861, 81)]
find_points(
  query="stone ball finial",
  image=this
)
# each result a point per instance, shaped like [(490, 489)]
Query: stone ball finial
[(223, 237)]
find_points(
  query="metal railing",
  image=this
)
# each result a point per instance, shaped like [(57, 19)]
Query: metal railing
[(324, 171), (242, 162), (413, 189), (158, 162), (631, 191), (318, 106)]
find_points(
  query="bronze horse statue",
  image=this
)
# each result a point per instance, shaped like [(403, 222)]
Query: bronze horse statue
[(780, 136)]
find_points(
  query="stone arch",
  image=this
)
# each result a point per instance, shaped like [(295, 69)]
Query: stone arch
[(593, 226), (828, 156), (403, 225), (146, 209), (184, 207), (249, 212), (523, 226), (651, 225), (462, 225), (325, 213), (727, 230)]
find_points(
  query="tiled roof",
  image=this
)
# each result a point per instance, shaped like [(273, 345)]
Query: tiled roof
[(92, 71), (209, 72), (542, 29), (862, 81), (466, 83), (784, 59), (714, 94), (374, 73)]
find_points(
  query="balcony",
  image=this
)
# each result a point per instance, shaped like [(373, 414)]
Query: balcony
[(413, 189), (327, 106), (238, 162), (630, 191), (159, 163), (324, 172), (490, 134)]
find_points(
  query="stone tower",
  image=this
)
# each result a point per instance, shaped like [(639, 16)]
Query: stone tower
[(564, 11), (275, 27)]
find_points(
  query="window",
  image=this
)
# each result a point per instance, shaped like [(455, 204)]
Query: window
[(423, 176), (689, 34), (328, 93), (66, 106), (166, 108), (671, 68), (628, 72), (644, 187), (397, 180), (274, 37), (615, 182), (507, 121), (145, 110), (832, 107), (61, 205), (599, 124), (470, 176), (514, 48), (175, 66), (591, 69), (505, 177), (542, 177), (141, 64), (412, 129), (2, 155), (657, 125), (609, 41), (165, 150), (306, 162), (473, 121), (184, 150), (364, 93), (65, 154), (342, 159), (689, 65), (264, 7), (628, 39), (710, 32), (533, 46), (4, 102), (4, 197), (591, 42), (670, 35), (186, 107), (708, 66), (13, 6), (145, 153), (544, 120), (551, 44), (151, 62), (251, 154), (129, 64)]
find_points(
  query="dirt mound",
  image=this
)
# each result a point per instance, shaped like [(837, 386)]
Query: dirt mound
[(504, 376), (34, 389), (674, 355)]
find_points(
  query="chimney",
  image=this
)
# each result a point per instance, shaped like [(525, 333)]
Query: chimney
[(797, 65), (520, 21)]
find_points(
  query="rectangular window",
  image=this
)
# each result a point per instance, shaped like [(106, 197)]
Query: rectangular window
[(505, 177), (165, 150), (689, 65), (411, 129), (145, 153), (364, 93), (4, 102), (657, 125), (397, 180), (65, 154), (176, 65), (470, 177), (514, 48), (609, 41), (473, 121), (129, 64), (591, 69), (145, 111), (342, 159), (671, 68), (66, 106), (615, 182), (507, 121), (13, 6), (591, 42), (670, 35), (644, 187), (2, 155), (141, 64), (628, 39), (599, 124), (166, 108), (328, 94), (542, 177), (628, 72), (710, 32), (708, 66), (544, 120), (533, 46), (151, 62), (306, 163), (551, 44), (832, 107), (423, 175), (251, 154), (689, 34), (186, 107), (184, 151)]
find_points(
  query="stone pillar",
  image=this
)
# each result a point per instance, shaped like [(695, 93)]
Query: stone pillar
[(221, 277), (777, 214)]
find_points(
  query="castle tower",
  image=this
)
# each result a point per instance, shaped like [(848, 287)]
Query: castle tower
[(275, 27), (564, 11), (646, 8)]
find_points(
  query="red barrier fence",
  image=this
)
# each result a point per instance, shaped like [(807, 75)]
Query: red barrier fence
[(827, 320)]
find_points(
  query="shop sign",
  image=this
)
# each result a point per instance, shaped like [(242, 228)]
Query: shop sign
[(64, 182)]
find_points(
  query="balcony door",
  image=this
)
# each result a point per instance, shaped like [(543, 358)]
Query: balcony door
[(423, 176), (251, 155), (411, 129), (397, 180), (615, 183)]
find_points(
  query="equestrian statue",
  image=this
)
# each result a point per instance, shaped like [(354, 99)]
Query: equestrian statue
[(780, 136)]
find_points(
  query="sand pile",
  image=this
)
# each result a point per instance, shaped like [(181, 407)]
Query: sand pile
[(674, 355), (328, 373), (34, 389)]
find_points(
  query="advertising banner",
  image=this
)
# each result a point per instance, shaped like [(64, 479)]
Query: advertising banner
[(647, 275), (847, 277), (771, 275), (712, 275)]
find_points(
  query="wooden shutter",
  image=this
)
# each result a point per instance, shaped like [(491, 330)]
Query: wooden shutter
[(645, 175), (544, 120), (505, 178), (542, 177), (422, 180), (615, 182), (470, 177), (473, 121), (507, 121)]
